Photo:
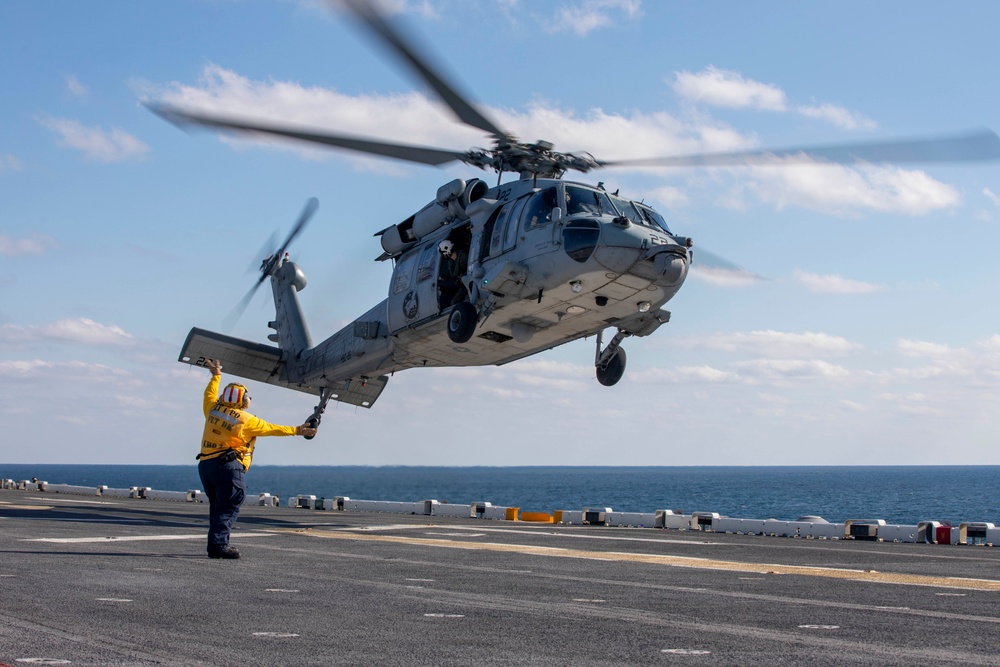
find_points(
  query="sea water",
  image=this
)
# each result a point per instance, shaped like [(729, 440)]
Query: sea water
[(898, 494)]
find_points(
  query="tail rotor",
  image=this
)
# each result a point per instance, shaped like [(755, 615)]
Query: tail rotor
[(271, 262)]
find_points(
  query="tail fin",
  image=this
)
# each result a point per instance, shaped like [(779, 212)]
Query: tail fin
[(291, 333)]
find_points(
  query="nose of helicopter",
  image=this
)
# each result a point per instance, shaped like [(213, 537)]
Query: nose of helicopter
[(670, 267), (644, 253)]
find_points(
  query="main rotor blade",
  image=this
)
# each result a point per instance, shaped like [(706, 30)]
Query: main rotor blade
[(980, 145), (420, 154), (466, 112)]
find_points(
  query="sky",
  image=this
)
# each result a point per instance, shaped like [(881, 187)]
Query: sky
[(873, 339)]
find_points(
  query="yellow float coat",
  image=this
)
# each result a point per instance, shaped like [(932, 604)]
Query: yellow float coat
[(230, 428)]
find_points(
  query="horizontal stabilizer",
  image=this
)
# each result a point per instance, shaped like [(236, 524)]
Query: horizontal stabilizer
[(243, 358), (263, 363), (359, 391)]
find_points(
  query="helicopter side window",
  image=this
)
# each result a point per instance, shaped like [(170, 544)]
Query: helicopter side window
[(496, 236), (510, 231), (401, 277), (538, 211), (489, 230), (427, 260), (628, 210), (588, 202), (654, 218)]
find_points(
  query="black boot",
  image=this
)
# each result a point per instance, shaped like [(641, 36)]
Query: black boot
[(227, 552)]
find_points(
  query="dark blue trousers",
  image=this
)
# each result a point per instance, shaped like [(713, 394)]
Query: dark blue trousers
[(225, 488)]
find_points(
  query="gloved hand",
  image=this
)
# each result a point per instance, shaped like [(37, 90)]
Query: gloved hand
[(306, 430)]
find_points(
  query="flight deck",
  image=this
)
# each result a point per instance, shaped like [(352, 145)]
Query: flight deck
[(125, 581)]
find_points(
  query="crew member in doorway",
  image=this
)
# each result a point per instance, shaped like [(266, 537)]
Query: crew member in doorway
[(226, 449), (454, 263)]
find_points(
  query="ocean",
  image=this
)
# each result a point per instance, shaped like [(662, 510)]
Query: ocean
[(898, 494)]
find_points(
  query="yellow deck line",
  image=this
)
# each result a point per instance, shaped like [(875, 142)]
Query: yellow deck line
[(672, 561)]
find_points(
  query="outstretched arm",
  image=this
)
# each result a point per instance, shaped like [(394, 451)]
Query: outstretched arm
[(258, 427), (212, 390)]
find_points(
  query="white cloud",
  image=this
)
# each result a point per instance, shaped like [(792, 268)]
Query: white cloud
[(612, 136), (992, 196), (32, 245), (589, 15), (548, 374), (913, 403), (682, 375), (725, 88), (839, 116), (74, 86), (43, 372), (78, 330), (97, 144), (834, 284), (991, 344), (756, 370), (10, 163), (668, 196), (838, 189), (731, 90), (772, 343), (917, 348), (414, 119)]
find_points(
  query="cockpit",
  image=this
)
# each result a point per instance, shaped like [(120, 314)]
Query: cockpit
[(587, 202), (583, 209)]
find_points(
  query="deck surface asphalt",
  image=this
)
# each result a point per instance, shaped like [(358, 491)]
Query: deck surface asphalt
[(92, 581)]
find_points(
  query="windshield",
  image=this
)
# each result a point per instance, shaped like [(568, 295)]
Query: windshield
[(654, 217), (589, 202), (628, 210), (640, 214)]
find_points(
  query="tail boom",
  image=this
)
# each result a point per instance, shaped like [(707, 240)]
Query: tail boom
[(265, 363)]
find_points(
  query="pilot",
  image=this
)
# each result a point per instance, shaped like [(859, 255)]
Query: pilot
[(226, 449), (454, 264), (540, 208)]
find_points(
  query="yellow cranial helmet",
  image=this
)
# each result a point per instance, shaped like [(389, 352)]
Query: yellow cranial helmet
[(234, 394)]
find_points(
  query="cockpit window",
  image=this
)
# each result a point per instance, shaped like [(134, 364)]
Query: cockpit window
[(588, 202), (538, 211), (629, 211), (654, 218)]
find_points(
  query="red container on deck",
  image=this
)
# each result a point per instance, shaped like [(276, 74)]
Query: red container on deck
[(943, 534)]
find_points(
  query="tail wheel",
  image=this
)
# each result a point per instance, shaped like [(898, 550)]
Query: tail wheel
[(612, 372), (312, 422), (462, 322)]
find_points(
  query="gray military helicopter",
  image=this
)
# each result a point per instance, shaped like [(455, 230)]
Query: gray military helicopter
[(486, 275)]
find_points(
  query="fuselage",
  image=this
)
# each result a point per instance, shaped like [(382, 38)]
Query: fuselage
[(544, 261)]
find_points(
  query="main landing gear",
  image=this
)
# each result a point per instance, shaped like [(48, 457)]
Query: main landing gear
[(610, 362), (462, 322)]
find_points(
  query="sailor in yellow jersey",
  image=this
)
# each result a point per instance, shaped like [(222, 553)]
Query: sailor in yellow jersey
[(226, 451)]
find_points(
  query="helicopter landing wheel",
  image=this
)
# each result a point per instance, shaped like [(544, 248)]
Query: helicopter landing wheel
[(462, 322), (612, 371)]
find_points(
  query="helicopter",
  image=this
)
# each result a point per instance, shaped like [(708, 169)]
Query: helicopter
[(487, 274)]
